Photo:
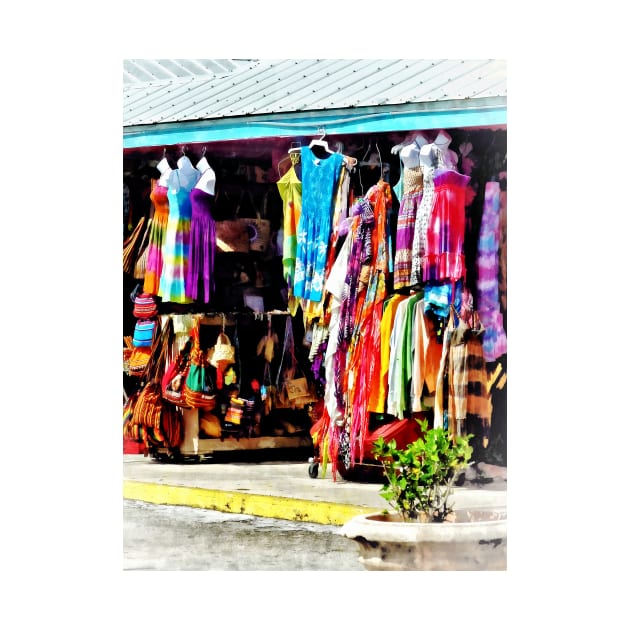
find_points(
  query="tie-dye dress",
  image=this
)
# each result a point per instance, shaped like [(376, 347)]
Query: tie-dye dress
[(176, 248), (320, 177)]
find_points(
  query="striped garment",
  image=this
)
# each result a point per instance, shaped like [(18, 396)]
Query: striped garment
[(462, 391), (409, 206)]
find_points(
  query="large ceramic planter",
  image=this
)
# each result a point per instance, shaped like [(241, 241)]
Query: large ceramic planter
[(475, 541)]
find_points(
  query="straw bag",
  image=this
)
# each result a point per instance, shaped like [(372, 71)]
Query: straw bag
[(292, 391), (259, 229), (127, 352), (130, 246), (231, 235), (143, 253), (222, 353)]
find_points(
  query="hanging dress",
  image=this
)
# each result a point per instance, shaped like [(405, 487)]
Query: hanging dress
[(157, 236), (319, 183), (409, 206), (462, 393), (290, 189), (200, 271), (494, 339), (444, 257), (176, 246), (419, 243)]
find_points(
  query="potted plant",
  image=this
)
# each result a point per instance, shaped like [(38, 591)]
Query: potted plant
[(427, 531)]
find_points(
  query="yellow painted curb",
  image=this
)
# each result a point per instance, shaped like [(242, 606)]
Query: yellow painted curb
[(321, 512)]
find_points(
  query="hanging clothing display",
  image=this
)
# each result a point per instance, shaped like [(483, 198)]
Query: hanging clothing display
[(200, 270), (494, 339), (413, 187), (319, 181), (419, 243), (176, 245), (462, 385), (157, 238), (426, 356), (444, 254), (400, 353), (387, 323), (290, 189), (373, 287)]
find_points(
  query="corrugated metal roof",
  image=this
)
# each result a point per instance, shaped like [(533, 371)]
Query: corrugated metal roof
[(219, 89), (142, 71)]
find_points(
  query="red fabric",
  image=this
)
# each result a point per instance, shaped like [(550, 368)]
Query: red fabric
[(403, 431), (444, 259)]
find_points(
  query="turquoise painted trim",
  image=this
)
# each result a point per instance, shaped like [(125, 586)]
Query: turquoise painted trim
[(293, 125)]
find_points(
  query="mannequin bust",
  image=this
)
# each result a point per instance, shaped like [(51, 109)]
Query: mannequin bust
[(428, 156), (449, 157), (165, 170), (410, 153), (208, 178)]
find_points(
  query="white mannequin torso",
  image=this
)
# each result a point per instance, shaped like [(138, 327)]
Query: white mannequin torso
[(449, 157), (208, 178), (165, 170), (410, 153)]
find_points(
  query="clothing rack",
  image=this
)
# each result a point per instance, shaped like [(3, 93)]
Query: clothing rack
[(217, 318)]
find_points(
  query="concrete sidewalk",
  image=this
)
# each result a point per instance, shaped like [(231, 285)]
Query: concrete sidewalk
[(280, 489)]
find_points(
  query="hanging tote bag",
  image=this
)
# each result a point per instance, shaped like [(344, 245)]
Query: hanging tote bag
[(144, 333), (175, 377), (198, 388), (148, 409), (160, 419), (222, 355), (144, 306)]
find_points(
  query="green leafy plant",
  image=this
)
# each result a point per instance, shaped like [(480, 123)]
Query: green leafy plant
[(419, 478)]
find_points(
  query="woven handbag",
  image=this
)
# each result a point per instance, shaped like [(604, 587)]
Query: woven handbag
[(137, 361), (175, 377), (198, 388), (143, 333), (148, 408), (222, 353), (144, 306)]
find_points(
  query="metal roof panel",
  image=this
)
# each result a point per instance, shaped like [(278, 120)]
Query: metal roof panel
[(170, 91)]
